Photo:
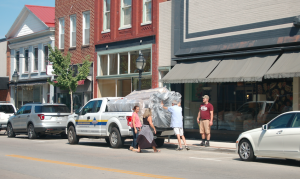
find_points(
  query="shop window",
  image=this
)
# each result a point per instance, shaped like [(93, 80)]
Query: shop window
[(26, 61), (133, 56), (124, 87), (17, 61), (73, 31), (86, 28), (147, 8), (106, 12), (61, 33), (107, 88), (113, 64), (103, 65), (126, 13), (147, 56), (123, 63), (36, 59)]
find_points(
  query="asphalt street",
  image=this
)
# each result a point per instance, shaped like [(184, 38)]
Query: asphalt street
[(53, 157)]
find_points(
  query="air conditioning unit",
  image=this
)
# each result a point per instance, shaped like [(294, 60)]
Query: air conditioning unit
[(296, 21)]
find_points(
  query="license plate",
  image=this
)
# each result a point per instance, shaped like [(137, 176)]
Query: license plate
[(57, 118)]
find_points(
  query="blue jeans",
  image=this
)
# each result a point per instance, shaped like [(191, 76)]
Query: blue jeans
[(135, 136)]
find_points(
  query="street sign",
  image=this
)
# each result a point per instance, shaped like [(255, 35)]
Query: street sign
[(49, 70)]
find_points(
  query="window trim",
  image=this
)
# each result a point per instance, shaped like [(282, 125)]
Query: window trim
[(61, 21), (144, 22), (105, 29), (72, 30), (122, 26), (83, 26)]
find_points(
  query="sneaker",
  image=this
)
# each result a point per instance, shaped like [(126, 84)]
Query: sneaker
[(202, 143), (187, 148), (207, 144), (179, 149)]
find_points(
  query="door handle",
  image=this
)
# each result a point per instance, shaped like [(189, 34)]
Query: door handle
[(88, 117), (28, 116), (279, 132)]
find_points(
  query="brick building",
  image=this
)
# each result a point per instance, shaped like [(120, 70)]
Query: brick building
[(75, 34), (123, 29)]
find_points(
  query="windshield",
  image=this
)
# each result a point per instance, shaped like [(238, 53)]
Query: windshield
[(52, 109), (7, 109)]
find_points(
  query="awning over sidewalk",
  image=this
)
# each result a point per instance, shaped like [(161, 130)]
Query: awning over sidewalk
[(287, 66), (191, 72), (243, 68)]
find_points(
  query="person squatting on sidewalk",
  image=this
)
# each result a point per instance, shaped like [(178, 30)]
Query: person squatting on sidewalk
[(146, 139), (205, 119), (135, 125), (176, 123)]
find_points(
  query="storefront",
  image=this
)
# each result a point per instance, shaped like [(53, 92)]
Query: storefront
[(117, 75)]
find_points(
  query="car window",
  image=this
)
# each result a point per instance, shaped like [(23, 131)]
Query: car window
[(21, 111), (282, 121), (296, 121), (7, 109), (98, 106), (27, 110), (88, 108), (52, 109)]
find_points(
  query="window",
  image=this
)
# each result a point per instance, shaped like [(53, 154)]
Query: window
[(147, 8), (36, 59), (27, 110), (17, 61), (61, 33), (26, 61), (86, 28), (7, 109), (98, 105), (52, 109), (281, 122), (125, 13), (296, 122), (21, 111), (46, 52), (88, 108), (106, 11), (123, 63), (113, 64), (73, 31), (103, 64)]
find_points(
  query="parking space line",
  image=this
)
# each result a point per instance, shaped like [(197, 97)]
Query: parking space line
[(93, 167), (206, 159)]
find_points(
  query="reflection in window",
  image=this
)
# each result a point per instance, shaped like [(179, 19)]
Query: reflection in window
[(133, 56), (123, 63), (103, 65), (281, 122), (113, 64), (147, 56)]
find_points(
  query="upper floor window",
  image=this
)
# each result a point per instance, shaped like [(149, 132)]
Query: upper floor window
[(45, 57), (147, 11), (73, 31), (26, 61), (86, 28), (125, 13), (61, 33), (36, 59), (17, 61), (106, 11)]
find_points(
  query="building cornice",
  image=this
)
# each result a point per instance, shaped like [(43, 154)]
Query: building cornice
[(44, 40)]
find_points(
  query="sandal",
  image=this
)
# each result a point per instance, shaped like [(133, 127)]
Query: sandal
[(131, 148), (157, 151)]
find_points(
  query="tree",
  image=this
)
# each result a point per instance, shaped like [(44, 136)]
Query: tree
[(64, 71)]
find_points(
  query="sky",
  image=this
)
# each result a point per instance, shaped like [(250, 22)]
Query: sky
[(10, 9)]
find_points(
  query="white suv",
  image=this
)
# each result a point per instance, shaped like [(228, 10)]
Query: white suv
[(6, 110)]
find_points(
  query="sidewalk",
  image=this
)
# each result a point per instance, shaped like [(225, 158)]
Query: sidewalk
[(227, 147)]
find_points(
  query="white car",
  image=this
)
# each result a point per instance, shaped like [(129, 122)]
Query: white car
[(280, 138), (6, 111)]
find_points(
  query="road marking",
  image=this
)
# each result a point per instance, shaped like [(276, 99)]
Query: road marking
[(206, 159), (93, 167)]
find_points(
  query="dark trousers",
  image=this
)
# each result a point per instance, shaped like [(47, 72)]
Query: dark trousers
[(135, 136)]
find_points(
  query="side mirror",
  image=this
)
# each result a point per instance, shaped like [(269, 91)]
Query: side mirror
[(15, 113), (265, 127)]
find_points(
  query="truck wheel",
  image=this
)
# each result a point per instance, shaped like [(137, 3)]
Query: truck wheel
[(159, 142), (31, 132), (115, 138), (10, 131), (72, 137)]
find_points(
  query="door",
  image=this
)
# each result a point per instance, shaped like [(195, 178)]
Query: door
[(95, 119), (271, 141), (17, 119), (25, 117), (84, 119), (291, 138)]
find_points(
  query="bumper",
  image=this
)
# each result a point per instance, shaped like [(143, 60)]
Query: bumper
[(50, 130)]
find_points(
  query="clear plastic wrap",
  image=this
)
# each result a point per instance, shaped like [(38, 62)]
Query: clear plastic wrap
[(151, 98)]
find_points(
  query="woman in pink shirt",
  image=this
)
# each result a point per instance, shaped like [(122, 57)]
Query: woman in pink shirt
[(135, 125)]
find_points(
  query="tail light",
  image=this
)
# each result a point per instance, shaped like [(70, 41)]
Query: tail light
[(129, 120), (41, 116)]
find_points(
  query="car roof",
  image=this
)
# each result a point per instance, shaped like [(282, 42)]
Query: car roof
[(45, 104)]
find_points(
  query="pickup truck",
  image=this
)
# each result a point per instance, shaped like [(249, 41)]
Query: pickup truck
[(94, 121)]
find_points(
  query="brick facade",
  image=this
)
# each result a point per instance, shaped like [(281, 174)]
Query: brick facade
[(65, 8), (136, 31)]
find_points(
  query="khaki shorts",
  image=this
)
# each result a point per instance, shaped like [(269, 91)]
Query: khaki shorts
[(204, 126)]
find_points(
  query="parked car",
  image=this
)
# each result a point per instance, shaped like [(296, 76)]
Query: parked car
[(6, 110), (38, 119), (94, 121), (278, 138)]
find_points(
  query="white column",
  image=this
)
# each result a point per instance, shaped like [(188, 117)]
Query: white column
[(12, 62), (40, 58), (296, 95), (12, 94), (51, 94), (45, 93)]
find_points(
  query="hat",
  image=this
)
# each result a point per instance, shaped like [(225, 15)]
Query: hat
[(205, 96)]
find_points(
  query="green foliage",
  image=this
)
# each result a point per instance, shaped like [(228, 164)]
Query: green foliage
[(64, 72)]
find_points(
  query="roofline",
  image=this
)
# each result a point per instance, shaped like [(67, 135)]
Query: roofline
[(32, 34), (35, 15)]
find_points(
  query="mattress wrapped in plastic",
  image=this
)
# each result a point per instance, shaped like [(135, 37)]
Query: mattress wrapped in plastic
[(152, 99)]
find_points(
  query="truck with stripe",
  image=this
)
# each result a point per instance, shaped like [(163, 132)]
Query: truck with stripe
[(94, 121)]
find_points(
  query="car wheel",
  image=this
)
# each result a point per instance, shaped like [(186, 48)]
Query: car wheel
[(10, 131), (115, 138), (72, 137), (159, 142), (246, 151), (31, 132)]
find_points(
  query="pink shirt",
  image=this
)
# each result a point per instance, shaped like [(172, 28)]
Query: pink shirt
[(137, 120)]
